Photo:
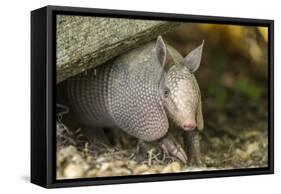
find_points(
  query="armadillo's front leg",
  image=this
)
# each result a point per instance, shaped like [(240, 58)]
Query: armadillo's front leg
[(170, 145), (192, 142)]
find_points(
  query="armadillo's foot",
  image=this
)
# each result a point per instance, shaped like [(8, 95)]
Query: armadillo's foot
[(192, 142), (141, 151), (171, 146)]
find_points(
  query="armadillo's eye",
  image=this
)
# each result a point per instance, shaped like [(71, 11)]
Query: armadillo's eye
[(166, 92)]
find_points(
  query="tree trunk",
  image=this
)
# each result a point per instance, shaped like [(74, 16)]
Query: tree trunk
[(85, 42)]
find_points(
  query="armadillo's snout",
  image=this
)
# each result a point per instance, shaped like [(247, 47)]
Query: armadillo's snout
[(188, 125)]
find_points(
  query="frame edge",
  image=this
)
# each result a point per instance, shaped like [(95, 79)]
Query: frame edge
[(38, 97), (50, 182)]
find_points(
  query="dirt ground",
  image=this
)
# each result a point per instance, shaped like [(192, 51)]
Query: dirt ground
[(221, 149)]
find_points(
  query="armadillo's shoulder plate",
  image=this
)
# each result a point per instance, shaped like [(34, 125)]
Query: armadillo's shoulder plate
[(135, 103)]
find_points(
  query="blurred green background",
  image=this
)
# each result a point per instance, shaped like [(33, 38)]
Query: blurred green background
[(233, 78)]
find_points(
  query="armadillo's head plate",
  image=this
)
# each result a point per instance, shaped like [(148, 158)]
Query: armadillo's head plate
[(181, 96)]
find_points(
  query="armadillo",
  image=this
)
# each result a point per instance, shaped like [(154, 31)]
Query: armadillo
[(139, 92)]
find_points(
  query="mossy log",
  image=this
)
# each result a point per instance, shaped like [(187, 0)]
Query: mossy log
[(85, 42)]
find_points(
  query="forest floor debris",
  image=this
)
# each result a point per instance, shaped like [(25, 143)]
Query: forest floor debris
[(99, 160)]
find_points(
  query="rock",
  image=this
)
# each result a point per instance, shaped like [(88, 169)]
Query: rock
[(101, 159), (196, 169), (105, 174), (241, 154), (253, 147), (149, 171), (119, 163), (92, 173), (173, 167), (105, 166), (140, 169), (73, 171), (131, 164), (121, 171)]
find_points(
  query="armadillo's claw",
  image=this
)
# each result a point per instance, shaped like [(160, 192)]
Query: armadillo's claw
[(170, 145)]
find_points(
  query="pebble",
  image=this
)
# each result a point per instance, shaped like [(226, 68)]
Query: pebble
[(122, 171), (196, 169), (104, 166), (173, 167), (119, 163), (252, 148), (105, 173), (140, 169), (92, 173), (241, 154), (73, 171), (149, 171), (131, 164)]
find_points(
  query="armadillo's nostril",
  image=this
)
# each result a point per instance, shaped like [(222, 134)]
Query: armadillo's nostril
[(189, 126)]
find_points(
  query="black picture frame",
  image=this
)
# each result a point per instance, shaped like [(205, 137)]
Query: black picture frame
[(43, 84)]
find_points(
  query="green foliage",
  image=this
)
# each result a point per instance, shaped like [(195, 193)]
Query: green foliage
[(219, 93), (218, 67), (216, 89), (251, 90)]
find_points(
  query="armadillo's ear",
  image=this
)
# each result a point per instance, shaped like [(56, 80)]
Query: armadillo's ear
[(199, 117), (162, 53), (193, 59)]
